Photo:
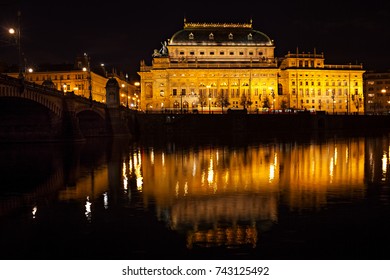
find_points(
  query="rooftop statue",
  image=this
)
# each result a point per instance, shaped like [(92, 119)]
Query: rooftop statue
[(162, 52), (164, 49)]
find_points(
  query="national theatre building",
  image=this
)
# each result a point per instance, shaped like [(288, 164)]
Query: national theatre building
[(209, 68)]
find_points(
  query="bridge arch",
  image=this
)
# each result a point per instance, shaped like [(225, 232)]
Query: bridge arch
[(51, 99), (23, 119), (92, 122)]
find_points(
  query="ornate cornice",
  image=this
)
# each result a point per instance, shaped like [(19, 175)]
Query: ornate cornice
[(216, 25)]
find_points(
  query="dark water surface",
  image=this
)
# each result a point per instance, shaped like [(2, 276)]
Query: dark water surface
[(312, 198)]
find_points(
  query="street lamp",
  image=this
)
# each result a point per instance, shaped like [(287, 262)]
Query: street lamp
[(16, 33), (333, 101), (85, 69), (137, 94), (209, 94)]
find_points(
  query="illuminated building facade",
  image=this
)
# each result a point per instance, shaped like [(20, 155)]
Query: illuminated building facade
[(211, 67), (377, 90), (308, 83), (82, 79)]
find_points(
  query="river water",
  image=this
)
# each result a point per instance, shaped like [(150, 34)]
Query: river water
[(272, 198)]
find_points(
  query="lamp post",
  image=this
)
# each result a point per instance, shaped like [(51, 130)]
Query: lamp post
[(333, 101), (209, 95), (127, 92), (137, 84), (85, 69), (17, 33), (181, 103)]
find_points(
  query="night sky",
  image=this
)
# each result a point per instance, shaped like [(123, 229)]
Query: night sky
[(122, 33)]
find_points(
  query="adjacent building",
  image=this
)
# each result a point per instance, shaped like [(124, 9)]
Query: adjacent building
[(84, 80), (212, 67), (377, 89)]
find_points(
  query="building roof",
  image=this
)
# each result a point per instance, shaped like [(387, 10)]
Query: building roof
[(219, 34)]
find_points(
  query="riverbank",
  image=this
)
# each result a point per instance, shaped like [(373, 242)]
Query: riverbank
[(253, 125)]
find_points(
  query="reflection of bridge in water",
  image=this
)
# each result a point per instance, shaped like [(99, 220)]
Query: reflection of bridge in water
[(38, 113), (17, 201)]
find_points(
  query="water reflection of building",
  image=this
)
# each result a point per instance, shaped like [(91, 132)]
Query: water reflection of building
[(313, 172), (222, 196), (223, 220), (90, 183), (377, 161)]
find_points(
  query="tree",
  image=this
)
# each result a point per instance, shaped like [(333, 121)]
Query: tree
[(266, 103), (202, 98), (244, 100), (223, 100)]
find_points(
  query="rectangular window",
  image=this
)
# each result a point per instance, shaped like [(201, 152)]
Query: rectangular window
[(192, 53), (174, 92), (211, 53), (201, 53), (183, 91), (222, 53), (231, 53)]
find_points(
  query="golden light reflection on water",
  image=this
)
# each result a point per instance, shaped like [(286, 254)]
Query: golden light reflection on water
[(91, 184), (224, 196), (216, 190)]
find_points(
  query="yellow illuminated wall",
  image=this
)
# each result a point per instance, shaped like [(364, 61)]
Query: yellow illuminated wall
[(195, 74)]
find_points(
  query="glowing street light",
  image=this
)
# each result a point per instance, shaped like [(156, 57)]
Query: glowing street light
[(137, 94), (16, 32), (89, 78)]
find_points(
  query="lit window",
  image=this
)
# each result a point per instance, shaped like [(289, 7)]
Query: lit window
[(211, 36), (230, 36), (191, 36), (250, 36)]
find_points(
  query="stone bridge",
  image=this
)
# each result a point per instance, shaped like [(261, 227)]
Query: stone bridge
[(31, 112)]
